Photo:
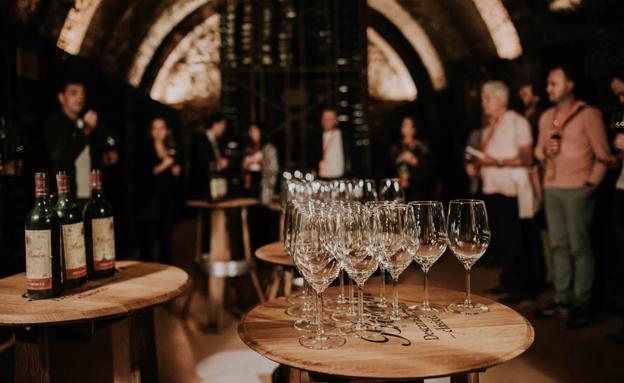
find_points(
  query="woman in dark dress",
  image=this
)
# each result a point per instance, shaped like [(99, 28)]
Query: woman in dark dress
[(161, 173), (412, 160)]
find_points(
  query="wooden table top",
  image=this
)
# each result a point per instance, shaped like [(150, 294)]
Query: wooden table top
[(136, 285), (442, 345), (274, 253), (225, 204)]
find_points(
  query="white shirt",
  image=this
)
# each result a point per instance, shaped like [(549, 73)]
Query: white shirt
[(620, 182), (83, 170), (511, 133), (333, 157), (213, 142)]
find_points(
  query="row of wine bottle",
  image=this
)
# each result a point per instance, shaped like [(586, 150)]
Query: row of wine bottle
[(65, 246)]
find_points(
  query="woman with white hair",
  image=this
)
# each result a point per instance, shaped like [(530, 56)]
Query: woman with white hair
[(506, 153)]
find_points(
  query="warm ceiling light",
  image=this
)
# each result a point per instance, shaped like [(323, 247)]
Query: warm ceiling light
[(501, 28), (167, 20), (564, 5), (388, 77), (416, 36), (76, 25)]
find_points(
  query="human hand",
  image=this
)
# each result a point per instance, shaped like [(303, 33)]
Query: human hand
[(110, 157), (176, 170), (222, 163), (471, 170), (167, 162), (618, 141), (91, 120), (488, 161), (553, 147)]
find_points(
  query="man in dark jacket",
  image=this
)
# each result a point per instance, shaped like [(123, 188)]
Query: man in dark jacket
[(206, 156), (74, 141)]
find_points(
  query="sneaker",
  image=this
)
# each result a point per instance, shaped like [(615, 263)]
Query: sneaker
[(579, 317), (552, 310)]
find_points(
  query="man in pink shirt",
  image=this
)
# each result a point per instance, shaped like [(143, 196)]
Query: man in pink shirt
[(573, 147)]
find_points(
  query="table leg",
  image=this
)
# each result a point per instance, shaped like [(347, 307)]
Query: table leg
[(275, 282), (219, 251), (143, 346), (248, 257), (470, 377), (32, 362)]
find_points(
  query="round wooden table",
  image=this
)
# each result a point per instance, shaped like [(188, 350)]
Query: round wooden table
[(100, 332), (446, 344), (275, 254)]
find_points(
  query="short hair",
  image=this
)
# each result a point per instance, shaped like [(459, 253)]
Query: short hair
[(329, 109), (213, 118), (570, 71), (497, 89), (68, 79), (619, 75)]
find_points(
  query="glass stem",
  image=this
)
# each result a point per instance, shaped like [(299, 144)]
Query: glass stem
[(361, 305), (395, 300), (320, 333), (382, 290), (351, 298), (467, 302), (341, 296), (426, 292), (306, 298)]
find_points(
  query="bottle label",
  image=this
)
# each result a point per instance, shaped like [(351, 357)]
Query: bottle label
[(103, 243), (74, 250), (38, 259)]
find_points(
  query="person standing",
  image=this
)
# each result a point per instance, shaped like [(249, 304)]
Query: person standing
[(260, 166), (573, 146), (616, 265), (207, 156), (506, 145), (411, 158), (332, 163), (161, 174), (75, 140)]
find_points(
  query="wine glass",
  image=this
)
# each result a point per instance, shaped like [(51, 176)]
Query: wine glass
[(396, 232), (469, 235), (382, 303), (360, 261), (366, 190), (319, 267), (391, 190), (432, 241)]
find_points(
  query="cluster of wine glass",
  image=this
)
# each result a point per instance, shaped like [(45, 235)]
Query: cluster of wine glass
[(342, 226)]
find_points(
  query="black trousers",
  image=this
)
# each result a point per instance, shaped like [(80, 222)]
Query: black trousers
[(507, 242)]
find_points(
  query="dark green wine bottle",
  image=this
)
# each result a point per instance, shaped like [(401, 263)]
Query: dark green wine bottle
[(43, 249), (99, 231), (72, 235)]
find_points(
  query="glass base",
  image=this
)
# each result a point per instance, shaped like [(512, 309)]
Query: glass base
[(344, 316), (366, 330), (297, 311), (310, 326), (468, 308), (421, 309), (324, 342)]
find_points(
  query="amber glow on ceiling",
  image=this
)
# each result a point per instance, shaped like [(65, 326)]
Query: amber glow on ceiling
[(76, 24), (388, 77), (501, 28), (157, 33), (416, 36)]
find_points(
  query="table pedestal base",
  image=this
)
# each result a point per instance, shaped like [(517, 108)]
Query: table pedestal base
[(108, 351)]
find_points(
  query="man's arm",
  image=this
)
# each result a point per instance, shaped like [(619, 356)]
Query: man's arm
[(541, 139), (595, 130), (63, 145)]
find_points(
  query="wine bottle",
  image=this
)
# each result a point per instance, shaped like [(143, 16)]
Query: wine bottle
[(99, 231), (72, 235), (43, 249)]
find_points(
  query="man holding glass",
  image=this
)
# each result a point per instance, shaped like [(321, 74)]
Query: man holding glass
[(573, 146)]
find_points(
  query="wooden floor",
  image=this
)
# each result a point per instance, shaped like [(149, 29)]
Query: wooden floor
[(558, 354)]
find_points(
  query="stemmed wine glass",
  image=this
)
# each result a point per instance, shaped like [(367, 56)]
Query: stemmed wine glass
[(468, 237), (382, 303), (391, 190), (360, 261), (432, 242), (366, 190), (319, 267), (396, 235)]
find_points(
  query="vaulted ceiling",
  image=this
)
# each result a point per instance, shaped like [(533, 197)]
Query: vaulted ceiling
[(158, 45)]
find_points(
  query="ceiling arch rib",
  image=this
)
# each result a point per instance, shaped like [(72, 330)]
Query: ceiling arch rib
[(501, 28), (416, 36), (165, 23), (76, 24)]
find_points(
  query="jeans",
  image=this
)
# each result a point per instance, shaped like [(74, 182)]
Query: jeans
[(569, 215)]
